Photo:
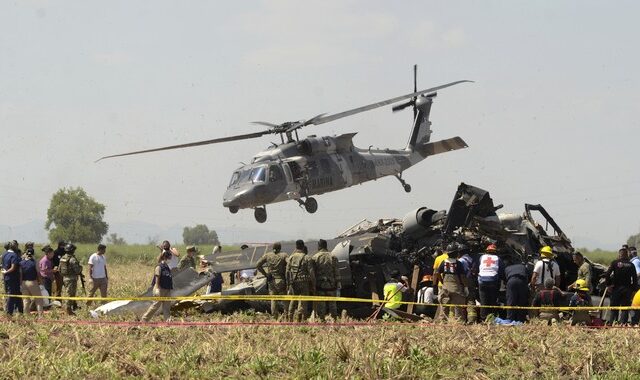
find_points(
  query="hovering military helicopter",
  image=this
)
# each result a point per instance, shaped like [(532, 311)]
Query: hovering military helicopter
[(298, 168)]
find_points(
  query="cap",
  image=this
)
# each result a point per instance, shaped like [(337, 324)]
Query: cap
[(491, 248), (29, 244), (395, 273), (47, 248), (192, 248)]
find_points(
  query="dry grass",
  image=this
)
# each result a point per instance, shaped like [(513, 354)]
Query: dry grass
[(397, 352), (40, 348)]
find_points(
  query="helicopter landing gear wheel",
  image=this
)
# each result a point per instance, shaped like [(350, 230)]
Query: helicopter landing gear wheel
[(311, 205), (233, 209), (260, 213), (405, 185)]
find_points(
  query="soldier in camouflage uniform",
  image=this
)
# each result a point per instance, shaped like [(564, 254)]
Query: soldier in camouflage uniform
[(188, 261), (327, 282), (276, 263), (70, 269), (300, 280)]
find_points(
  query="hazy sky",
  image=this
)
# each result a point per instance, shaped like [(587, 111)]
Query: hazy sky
[(551, 119)]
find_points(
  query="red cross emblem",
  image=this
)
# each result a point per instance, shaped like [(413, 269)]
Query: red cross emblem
[(488, 261)]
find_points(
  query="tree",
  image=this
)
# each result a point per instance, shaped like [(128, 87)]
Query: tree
[(75, 216), (114, 239), (199, 234), (634, 240)]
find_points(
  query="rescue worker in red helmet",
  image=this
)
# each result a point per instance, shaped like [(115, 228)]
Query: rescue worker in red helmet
[(490, 273)]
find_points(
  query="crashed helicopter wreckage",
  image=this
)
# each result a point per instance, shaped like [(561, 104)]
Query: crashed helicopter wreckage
[(369, 252)]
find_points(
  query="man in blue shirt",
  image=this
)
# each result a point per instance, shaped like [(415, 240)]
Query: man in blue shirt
[(11, 273)]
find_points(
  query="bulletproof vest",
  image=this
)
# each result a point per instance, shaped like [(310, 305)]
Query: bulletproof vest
[(65, 265), (325, 271), (166, 280), (277, 264), (298, 267), (29, 272)]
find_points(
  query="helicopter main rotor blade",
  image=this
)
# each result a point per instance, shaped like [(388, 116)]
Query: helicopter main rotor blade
[(326, 119), (197, 143), (265, 124)]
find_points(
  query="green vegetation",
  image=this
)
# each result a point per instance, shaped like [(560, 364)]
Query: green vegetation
[(199, 234), (74, 215), (599, 255)]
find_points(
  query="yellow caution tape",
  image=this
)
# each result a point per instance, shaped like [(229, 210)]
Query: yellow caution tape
[(255, 297)]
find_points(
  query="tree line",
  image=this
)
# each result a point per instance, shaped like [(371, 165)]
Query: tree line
[(74, 215)]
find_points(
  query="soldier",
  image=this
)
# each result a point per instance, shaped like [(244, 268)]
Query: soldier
[(188, 261), (57, 255), (70, 269), (327, 280), (276, 263), (300, 280), (584, 269)]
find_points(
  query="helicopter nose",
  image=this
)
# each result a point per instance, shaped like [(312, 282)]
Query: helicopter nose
[(239, 198)]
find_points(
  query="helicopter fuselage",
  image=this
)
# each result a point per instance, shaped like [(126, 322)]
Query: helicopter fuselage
[(317, 165)]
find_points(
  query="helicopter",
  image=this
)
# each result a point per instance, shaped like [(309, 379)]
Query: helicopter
[(297, 169)]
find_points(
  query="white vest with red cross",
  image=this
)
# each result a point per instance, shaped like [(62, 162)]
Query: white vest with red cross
[(489, 268)]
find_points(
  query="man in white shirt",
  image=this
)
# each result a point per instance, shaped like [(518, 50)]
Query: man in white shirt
[(545, 268), (98, 273)]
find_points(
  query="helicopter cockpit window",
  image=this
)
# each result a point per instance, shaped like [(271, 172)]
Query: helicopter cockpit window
[(275, 173), (235, 178), (258, 174)]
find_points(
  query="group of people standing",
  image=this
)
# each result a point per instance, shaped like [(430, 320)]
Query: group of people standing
[(461, 278), (299, 274), (56, 270)]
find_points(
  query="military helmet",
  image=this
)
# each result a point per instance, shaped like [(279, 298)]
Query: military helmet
[(70, 248)]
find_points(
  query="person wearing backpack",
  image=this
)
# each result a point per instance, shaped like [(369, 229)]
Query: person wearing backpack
[(544, 269)]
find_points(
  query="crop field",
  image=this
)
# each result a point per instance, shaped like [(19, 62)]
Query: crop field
[(55, 346)]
